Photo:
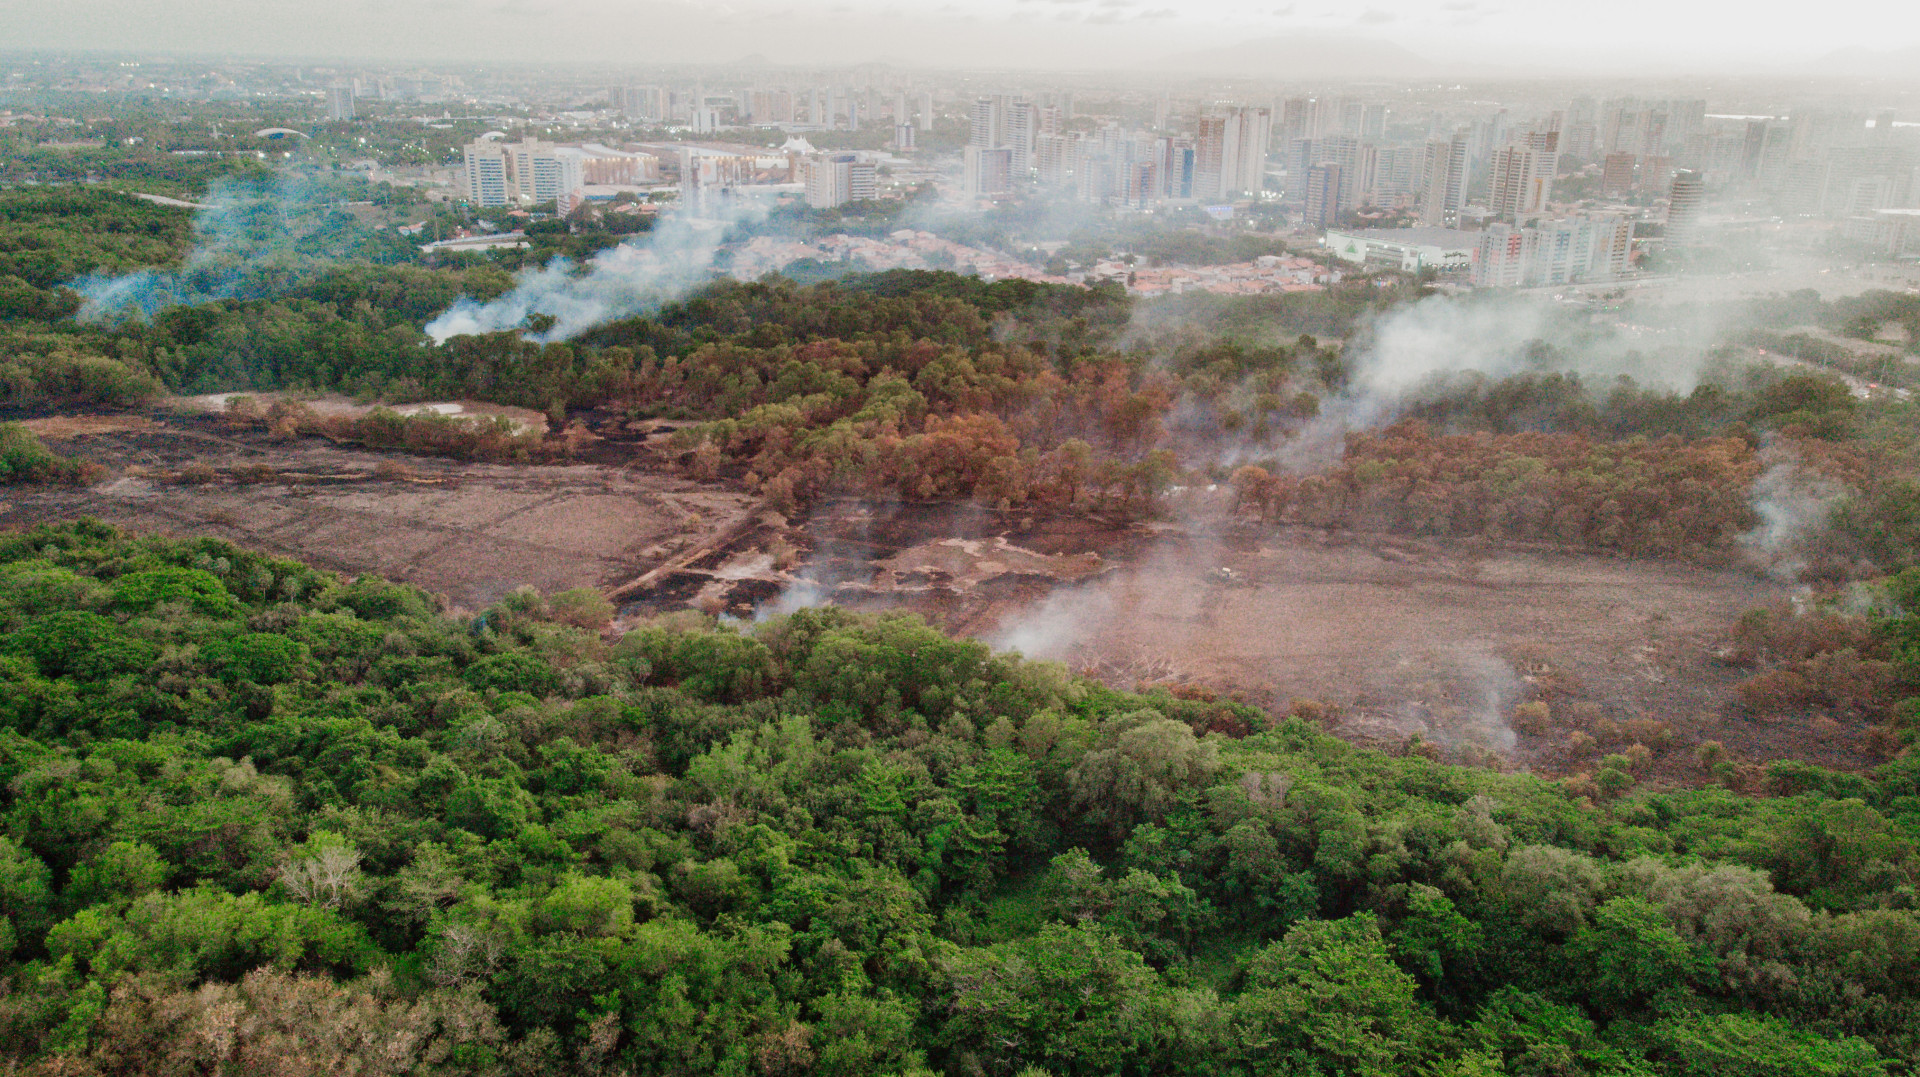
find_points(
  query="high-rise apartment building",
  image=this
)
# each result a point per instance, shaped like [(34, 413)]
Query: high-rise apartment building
[(1360, 190), (1396, 173), (1486, 135), (768, 106), (1655, 170), (1867, 178), (1685, 118), (1446, 182), (340, 101), (1580, 138), (1683, 205), (1003, 123), (925, 119), (1250, 133), (1140, 183), (1324, 201), (1232, 152), (1053, 159), (487, 176), (1617, 174), (1521, 182), (1373, 123), (1568, 250), (1350, 115), (496, 173), (1572, 250), (543, 172), (986, 173), (1804, 193), (1753, 150), (1177, 162), (1293, 118), (648, 104), (1308, 117), (1499, 257), (835, 179), (1343, 151), (986, 119), (1095, 174), (1210, 145), (1020, 127)]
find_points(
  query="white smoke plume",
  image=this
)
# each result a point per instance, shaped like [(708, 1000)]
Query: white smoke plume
[(1492, 690), (1422, 346), (1794, 505), (1058, 625), (633, 278)]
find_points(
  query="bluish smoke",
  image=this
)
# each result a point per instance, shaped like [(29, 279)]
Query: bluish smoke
[(254, 238)]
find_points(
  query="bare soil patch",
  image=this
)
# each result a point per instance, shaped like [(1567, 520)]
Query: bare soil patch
[(1392, 641), (470, 531)]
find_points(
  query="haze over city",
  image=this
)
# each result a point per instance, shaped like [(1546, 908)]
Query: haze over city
[(1455, 37)]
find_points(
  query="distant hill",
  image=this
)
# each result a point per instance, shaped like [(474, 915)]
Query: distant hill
[(1871, 63), (1306, 56)]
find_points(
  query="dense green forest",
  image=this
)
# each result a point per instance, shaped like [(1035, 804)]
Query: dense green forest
[(256, 818)]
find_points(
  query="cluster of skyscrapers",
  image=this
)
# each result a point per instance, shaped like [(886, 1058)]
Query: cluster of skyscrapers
[(1477, 182), (1483, 193), (1013, 142)]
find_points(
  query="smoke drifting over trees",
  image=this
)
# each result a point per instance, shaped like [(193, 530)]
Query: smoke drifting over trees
[(635, 277), (252, 238)]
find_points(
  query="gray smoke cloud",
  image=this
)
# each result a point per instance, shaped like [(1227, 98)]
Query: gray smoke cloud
[(679, 255)]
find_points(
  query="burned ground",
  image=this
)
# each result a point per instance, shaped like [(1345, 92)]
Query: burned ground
[(1388, 641), (469, 531), (1392, 641)]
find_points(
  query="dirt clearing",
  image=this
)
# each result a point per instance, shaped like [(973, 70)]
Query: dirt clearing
[(1543, 659), (470, 531)]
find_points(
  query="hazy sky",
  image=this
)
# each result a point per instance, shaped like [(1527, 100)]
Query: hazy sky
[(1673, 35)]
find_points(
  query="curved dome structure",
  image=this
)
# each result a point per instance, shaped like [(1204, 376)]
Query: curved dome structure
[(278, 132)]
